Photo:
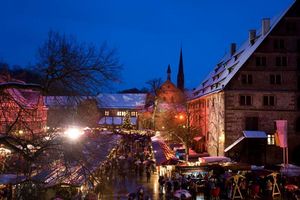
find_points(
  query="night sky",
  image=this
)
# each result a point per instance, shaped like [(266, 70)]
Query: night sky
[(147, 33)]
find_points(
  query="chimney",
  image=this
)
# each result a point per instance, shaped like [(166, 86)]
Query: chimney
[(252, 36), (232, 48), (265, 26)]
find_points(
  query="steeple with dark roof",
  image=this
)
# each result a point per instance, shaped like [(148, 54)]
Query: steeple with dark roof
[(169, 73), (180, 75)]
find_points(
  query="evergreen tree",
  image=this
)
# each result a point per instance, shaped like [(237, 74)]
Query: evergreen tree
[(126, 121)]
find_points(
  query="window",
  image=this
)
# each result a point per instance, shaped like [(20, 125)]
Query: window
[(247, 79), (291, 27), (133, 114), (275, 79), (281, 61), (106, 113), (279, 44), (251, 123), (121, 113), (245, 100), (261, 61), (268, 100), (271, 139)]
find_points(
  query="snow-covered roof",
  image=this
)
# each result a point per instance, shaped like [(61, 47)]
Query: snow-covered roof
[(229, 65), (254, 134), (26, 98), (247, 134), (126, 101), (95, 152), (68, 101), (162, 153)]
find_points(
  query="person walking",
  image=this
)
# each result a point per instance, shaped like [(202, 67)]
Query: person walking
[(148, 174)]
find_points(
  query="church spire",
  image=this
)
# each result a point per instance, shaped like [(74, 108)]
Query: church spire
[(180, 75), (169, 73)]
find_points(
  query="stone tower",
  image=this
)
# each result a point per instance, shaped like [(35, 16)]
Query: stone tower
[(180, 75)]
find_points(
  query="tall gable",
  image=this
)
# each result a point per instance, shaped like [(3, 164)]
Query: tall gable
[(229, 65)]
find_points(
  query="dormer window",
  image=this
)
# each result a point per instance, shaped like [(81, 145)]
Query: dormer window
[(230, 69)]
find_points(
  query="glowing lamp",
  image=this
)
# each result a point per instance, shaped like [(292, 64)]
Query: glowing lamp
[(181, 117), (73, 133)]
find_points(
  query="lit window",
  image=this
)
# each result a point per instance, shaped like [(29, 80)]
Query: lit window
[(133, 113), (271, 140), (106, 113), (121, 113)]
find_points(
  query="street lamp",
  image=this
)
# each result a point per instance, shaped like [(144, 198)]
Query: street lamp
[(73, 133), (185, 118)]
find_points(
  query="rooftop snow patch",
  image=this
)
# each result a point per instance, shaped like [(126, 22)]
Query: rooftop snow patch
[(127, 101)]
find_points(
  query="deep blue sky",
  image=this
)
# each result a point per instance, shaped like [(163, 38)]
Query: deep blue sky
[(147, 33)]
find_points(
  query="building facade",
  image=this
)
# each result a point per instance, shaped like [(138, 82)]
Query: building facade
[(250, 88), (22, 112), (113, 108)]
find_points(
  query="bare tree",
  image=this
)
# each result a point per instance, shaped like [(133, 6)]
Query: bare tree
[(178, 128), (78, 68), (155, 85), (34, 149)]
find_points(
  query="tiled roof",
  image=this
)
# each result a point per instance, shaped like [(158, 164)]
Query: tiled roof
[(229, 65)]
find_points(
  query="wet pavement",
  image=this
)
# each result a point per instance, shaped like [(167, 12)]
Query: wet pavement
[(119, 189)]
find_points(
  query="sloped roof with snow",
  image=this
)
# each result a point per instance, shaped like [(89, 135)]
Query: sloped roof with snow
[(162, 153), (65, 101), (25, 98), (229, 65), (126, 101)]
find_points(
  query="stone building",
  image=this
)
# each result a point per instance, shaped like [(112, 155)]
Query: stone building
[(113, 108), (255, 84), (170, 99)]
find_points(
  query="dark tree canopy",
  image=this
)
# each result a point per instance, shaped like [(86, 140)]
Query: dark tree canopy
[(134, 90), (154, 85), (76, 68)]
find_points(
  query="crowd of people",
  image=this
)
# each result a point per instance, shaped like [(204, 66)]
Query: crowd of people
[(227, 185)]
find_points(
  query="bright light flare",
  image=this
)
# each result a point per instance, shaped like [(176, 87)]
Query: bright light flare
[(73, 133), (181, 117)]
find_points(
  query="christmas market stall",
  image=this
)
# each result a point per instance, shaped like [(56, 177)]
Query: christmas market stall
[(78, 177), (164, 157)]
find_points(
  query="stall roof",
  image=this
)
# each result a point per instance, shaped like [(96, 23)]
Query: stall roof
[(162, 152), (247, 134), (11, 179)]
